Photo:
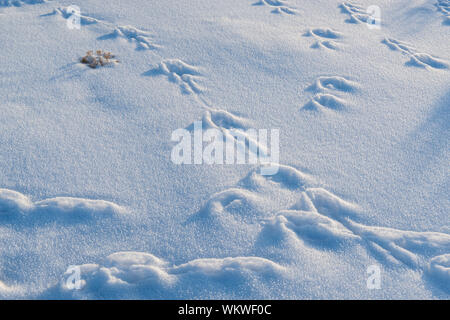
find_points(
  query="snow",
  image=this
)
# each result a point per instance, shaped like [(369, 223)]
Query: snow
[(129, 274), (440, 269), (15, 202), (87, 181)]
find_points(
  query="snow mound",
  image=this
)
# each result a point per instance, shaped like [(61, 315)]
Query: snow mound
[(67, 205), (136, 274), (251, 201), (229, 267), (439, 269), (311, 226), (231, 201), (286, 177), (325, 219), (12, 203), (330, 204), (320, 219)]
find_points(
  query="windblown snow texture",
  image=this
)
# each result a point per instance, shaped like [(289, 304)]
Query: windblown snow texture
[(88, 188)]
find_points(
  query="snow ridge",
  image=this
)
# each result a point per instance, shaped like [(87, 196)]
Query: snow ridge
[(13, 203)]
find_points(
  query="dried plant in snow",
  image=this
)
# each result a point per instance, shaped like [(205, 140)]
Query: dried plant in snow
[(99, 59)]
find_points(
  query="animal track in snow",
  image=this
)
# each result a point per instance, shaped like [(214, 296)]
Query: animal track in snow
[(322, 220), (246, 202), (66, 13), (225, 120), (142, 39), (277, 6), (333, 83), (325, 100), (444, 7), (417, 59), (357, 13), (231, 139), (19, 3), (325, 38), (439, 268), (232, 202), (235, 128), (326, 88), (326, 220), (185, 75), (237, 132)]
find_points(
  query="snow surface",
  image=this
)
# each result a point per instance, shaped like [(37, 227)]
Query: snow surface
[(86, 177)]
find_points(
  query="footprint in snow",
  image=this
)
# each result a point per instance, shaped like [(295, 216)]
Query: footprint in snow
[(444, 7), (179, 72), (142, 39), (417, 59), (234, 129), (278, 6), (67, 13), (324, 38), (333, 83), (320, 220), (326, 89), (357, 14)]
